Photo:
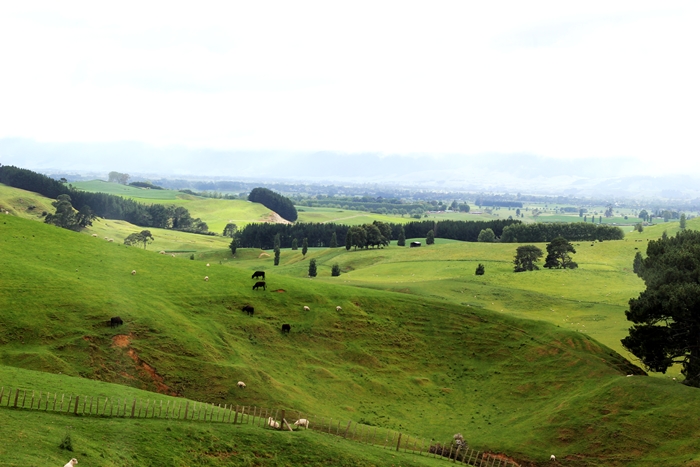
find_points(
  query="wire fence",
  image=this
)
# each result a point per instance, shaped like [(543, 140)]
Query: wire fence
[(280, 419)]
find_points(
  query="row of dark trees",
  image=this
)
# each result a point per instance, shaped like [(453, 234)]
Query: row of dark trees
[(102, 204), (320, 235), (274, 202), (575, 231)]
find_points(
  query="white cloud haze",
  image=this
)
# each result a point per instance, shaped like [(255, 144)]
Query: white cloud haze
[(552, 79)]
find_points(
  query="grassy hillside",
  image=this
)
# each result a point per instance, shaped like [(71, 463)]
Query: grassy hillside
[(418, 361), (32, 437), (215, 212)]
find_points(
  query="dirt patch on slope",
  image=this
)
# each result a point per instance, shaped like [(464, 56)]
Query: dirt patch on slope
[(275, 218), (121, 341)]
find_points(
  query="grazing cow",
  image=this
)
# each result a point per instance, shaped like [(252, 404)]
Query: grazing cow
[(248, 309), (302, 422), (286, 328), (241, 384), (115, 321), (258, 275), (338, 308), (71, 462), (306, 308), (272, 423), (258, 285)]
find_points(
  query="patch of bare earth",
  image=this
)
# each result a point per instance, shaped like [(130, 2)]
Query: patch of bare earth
[(275, 218), (121, 341)]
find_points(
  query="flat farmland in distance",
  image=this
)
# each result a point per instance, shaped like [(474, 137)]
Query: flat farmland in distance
[(345, 216)]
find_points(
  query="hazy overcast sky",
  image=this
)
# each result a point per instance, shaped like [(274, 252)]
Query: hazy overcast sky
[(554, 79)]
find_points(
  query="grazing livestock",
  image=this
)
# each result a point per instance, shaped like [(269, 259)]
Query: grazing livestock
[(115, 321), (338, 308), (71, 462), (258, 275), (94, 235), (258, 285), (271, 422), (415, 244), (248, 309), (110, 239), (206, 278), (552, 458), (286, 328), (133, 272), (302, 422), (161, 252), (241, 384), (306, 308), (207, 264)]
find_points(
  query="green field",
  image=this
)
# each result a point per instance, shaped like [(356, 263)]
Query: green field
[(215, 212), (527, 364)]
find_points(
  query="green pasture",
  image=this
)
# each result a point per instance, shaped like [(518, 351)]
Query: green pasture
[(215, 212), (344, 216), (33, 437), (19, 203), (525, 364)]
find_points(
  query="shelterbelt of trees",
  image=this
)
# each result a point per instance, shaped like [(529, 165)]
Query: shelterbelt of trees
[(274, 202), (509, 231), (104, 205)]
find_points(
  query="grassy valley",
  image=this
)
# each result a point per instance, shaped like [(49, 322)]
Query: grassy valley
[(527, 364)]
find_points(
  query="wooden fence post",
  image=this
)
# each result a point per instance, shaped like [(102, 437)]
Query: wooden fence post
[(187, 406), (284, 412), (235, 416), (91, 398), (75, 407), (31, 403), (345, 435), (55, 396), (337, 428), (133, 408), (24, 397), (398, 444)]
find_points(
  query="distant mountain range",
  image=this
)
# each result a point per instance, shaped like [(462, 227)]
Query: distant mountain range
[(621, 177)]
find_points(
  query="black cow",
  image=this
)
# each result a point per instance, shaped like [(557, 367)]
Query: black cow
[(258, 285), (115, 321), (258, 275), (286, 328), (248, 309)]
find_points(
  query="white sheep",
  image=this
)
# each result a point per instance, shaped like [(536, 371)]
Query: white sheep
[(133, 272), (338, 308), (161, 252), (110, 240), (302, 422), (94, 235), (71, 462), (206, 278), (207, 264), (306, 308), (552, 458), (173, 255), (241, 384), (272, 423)]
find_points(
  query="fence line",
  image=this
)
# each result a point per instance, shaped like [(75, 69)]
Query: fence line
[(199, 411)]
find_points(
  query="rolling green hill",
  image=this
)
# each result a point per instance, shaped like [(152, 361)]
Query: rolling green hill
[(408, 356)]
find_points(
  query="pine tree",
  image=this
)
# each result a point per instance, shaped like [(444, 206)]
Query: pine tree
[(334, 241), (480, 269), (277, 249), (295, 244), (682, 221), (402, 237), (304, 246), (312, 268), (335, 270), (233, 246), (348, 241)]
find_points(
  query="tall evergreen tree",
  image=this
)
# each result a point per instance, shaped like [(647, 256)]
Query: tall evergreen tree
[(295, 244), (348, 240), (683, 221), (334, 241), (402, 237), (304, 246), (312, 268), (335, 270), (277, 249), (559, 254), (233, 246)]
